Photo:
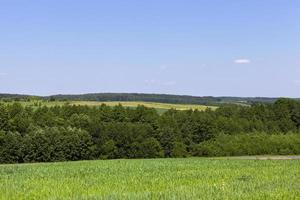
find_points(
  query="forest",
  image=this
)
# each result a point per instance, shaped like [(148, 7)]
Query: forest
[(72, 132)]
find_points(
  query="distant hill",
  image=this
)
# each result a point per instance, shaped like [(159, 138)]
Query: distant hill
[(16, 96), (160, 98)]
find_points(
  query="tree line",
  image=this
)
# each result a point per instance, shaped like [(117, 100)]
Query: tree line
[(160, 98), (69, 132)]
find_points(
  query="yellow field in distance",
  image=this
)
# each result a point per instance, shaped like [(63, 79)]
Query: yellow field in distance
[(161, 107), (155, 105)]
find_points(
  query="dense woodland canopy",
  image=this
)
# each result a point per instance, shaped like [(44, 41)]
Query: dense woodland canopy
[(60, 133)]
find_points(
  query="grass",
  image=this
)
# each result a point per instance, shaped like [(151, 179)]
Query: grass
[(191, 178), (160, 107)]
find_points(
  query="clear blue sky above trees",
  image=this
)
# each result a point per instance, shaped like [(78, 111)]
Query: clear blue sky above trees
[(237, 48)]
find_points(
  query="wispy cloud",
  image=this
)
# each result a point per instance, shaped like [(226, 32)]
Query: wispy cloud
[(297, 81), (169, 83), (151, 81), (163, 67), (159, 82), (242, 61)]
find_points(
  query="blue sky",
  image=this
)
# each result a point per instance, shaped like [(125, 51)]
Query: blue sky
[(194, 47)]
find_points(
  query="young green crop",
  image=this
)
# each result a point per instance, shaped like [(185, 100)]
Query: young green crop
[(191, 178)]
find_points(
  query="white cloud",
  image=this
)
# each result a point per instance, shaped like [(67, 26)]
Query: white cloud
[(242, 61), (3, 74)]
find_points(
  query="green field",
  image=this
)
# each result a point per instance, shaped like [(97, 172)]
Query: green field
[(161, 107), (191, 178)]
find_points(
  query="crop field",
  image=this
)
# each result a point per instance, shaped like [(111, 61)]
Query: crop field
[(190, 178), (132, 104), (160, 107)]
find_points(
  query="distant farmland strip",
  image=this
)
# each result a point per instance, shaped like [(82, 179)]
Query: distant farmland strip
[(160, 107), (146, 104)]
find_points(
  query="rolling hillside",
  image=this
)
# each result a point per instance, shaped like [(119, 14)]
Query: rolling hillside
[(140, 97)]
